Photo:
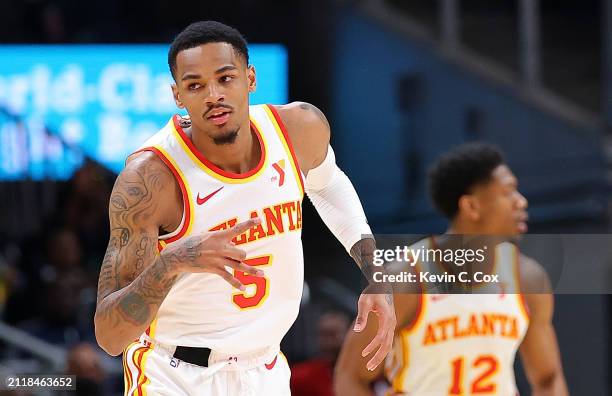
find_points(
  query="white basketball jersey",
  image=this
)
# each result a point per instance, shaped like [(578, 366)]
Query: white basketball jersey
[(203, 310), (462, 344)]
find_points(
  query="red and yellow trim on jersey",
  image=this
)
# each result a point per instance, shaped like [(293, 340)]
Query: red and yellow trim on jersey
[(139, 358), (188, 209), (151, 329), (134, 360), (127, 377), (522, 303), (281, 130), (213, 170), (185, 193), (398, 381)]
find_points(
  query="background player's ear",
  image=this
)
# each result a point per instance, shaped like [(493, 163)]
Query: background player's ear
[(177, 99), (251, 78), (469, 207)]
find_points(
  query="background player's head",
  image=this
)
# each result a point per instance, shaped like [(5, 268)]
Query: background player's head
[(474, 188), (331, 328), (209, 62)]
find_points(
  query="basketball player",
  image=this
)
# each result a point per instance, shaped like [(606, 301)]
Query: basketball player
[(203, 273), (465, 344)]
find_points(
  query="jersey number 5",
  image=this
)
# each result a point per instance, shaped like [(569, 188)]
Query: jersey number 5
[(258, 288), (482, 383)]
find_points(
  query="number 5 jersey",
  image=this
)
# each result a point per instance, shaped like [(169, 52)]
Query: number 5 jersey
[(202, 309)]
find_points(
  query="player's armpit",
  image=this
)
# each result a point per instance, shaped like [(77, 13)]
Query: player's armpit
[(309, 132), (138, 206)]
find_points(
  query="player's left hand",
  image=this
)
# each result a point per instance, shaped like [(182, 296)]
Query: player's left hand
[(382, 306)]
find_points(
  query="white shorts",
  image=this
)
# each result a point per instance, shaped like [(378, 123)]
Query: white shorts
[(150, 370)]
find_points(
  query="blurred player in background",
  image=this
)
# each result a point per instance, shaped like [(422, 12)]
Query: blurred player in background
[(203, 274), (465, 344)]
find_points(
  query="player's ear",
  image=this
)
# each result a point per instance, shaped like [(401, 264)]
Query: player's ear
[(177, 99), (469, 207), (251, 78)]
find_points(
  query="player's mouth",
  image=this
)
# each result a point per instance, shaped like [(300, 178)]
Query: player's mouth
[(521, 223), (219, 116)]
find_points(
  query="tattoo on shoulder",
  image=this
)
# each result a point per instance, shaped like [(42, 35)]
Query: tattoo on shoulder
[(314, 109), (130, 248)]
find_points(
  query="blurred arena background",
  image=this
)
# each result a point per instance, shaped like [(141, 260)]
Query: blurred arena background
[(82, 83)]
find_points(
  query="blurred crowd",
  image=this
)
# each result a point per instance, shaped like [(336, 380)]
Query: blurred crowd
[(48, 280), (48, 284)]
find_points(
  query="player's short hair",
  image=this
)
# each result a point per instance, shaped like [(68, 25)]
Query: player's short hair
[(459, 170), (204, 32)]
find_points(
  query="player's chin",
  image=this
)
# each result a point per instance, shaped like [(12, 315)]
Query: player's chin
[(521, 227), (225, 136)]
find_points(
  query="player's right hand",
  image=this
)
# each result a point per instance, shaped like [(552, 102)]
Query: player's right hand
[(213, 252)]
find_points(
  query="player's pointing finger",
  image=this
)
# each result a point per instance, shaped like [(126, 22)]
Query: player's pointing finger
[(241, 227)]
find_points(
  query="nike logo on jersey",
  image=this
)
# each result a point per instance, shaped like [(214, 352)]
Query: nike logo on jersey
[(270, 365), (202, 201)]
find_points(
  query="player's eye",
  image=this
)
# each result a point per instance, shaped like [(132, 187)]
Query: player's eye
[(194, 86), (225, 79)]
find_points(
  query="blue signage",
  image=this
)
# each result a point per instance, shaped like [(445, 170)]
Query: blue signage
[(61, 103)]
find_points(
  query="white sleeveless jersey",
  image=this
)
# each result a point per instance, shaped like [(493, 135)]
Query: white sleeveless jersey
[(462, 344), (203, 310)]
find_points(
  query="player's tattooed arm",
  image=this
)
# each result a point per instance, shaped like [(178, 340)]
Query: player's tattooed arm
[(376, 298), (363, 254), (133, 280)]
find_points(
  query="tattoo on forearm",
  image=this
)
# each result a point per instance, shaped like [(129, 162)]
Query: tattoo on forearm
[(363, 254), (134, 308), (190, 251), (131, 250), (149, 289)]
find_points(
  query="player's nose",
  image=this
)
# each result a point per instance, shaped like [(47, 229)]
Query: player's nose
[(214, 94), (521, 202)]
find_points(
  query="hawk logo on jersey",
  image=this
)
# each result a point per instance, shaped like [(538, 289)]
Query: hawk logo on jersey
[(280, 168)]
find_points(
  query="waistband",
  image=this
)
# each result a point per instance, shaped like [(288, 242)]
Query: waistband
[(224, 361)]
